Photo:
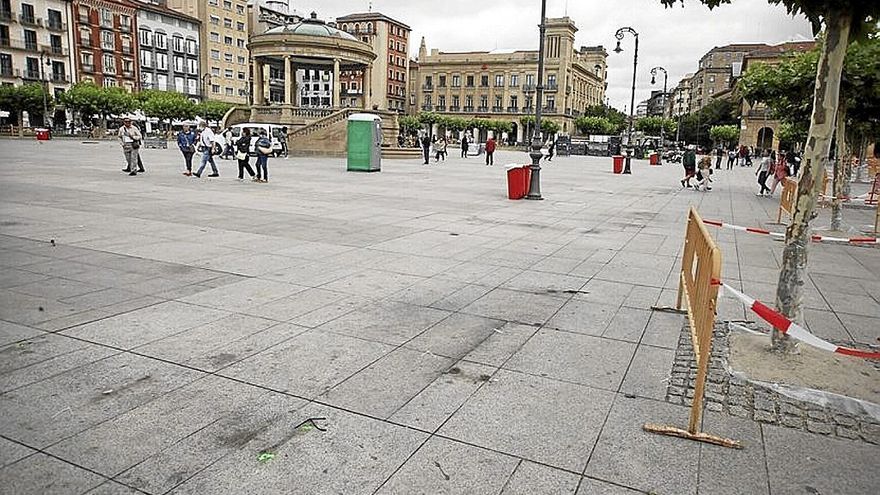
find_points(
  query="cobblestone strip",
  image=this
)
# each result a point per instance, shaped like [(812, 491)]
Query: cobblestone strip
[(739, 397)]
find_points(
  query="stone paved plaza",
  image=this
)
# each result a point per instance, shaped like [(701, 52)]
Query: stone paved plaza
[(409, 331)]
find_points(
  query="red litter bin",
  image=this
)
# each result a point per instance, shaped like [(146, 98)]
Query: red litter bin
[(618, 164), (518, 181), (42, 134), (655, 159)]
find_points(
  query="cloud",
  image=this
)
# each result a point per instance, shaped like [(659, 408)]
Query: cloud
[(673, 38)]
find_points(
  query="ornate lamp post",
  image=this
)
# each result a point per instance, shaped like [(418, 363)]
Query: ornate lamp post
[(662, 127), (632, 101), (535, 154)]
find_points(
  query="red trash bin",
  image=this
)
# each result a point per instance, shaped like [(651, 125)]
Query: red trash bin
[(618, 164), (518, 181), (655, 159), (42, 134)]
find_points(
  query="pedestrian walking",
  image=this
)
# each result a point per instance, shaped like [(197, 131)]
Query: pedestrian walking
[(551, 149), (207, 141), (186, 141), (130, 138), (719, 155), (228, 145), (749, 153), (464, 146), (762, 171), (242, 154), (731, 158), (780, 172), (440, 149), (689, 162), (704, 174), (794, 163), (264, 149), (490, 151), (426, 147)]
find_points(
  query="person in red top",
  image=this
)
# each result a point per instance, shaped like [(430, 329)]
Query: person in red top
[(490, 150)]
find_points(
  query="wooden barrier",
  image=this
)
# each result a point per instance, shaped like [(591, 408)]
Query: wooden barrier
[(698, 290), (787, 198), (877, 220)]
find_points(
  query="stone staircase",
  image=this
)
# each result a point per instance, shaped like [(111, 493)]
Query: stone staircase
[(321, 123)]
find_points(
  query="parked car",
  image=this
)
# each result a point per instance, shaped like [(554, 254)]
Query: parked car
[(276, 133)]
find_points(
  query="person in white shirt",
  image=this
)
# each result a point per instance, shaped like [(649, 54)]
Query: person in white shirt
[(130, 137), (763, 172), (206, 142)]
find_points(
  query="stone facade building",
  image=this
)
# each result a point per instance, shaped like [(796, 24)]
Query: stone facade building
[(390, 41), (168, 46), (679, 100), (264, 15), (501, 84), (715, 72), (224, 58), (758, 128), (36, 46)]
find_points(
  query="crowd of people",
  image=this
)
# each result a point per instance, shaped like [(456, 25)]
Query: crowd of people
[(770, 166), (203, 140)]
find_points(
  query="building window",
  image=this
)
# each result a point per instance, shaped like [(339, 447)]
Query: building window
[(162, 61), (178, 43), (191, 47), (456, 81), (227, 40), (146, 58), (227, 22), (239, 26), (499, 80), (108, 40), (146, 37), (161, 41), (469, 81), (514, 80), (215, 54), (484, 81), (215, 20), (193, 66), (109, 64)]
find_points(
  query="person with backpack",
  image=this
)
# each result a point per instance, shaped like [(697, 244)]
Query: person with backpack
[(207, 144), (130, 138), (242, 154), (186, 141), (263, 149)]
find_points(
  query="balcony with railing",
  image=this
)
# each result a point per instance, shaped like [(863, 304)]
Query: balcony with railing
[(758, 114), (512, 109), (84, 19), (56, 26), (28, 20), (31, 46), (528, 88), (85, 41), (6, 15), (497, 109), (127, 72), (440, 108), (549, 110), (454, 108), (5, 42), (482, 109), (528, 110), (58, 77), (6, 71), (88, 68), (427, 107), (468, 109), (55, 50), (551, 87), (127, 49), (427, 87), (125, 28), (33, 75), (107, 23)]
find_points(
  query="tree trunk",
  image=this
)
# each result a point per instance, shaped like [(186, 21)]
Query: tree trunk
[(839, 168), (20, 124), (863, 156), (790, 289)]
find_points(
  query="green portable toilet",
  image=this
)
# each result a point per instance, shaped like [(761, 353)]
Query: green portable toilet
[(364, 142)]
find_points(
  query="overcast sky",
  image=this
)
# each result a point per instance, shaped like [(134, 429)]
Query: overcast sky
[(674, 38)]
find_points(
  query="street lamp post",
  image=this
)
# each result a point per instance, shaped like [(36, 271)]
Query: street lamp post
[(535, 154), (206, 81), (632, 101), (44, 62), (680, 101), (663, 116)]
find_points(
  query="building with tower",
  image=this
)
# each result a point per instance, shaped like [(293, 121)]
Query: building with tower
[(501, 84)]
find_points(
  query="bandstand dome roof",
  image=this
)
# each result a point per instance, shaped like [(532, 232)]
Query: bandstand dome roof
[(312, 27)]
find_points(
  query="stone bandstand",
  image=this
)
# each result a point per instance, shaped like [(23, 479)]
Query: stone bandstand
[(296, 82)]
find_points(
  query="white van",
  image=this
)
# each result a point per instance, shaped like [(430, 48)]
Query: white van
[(274, 131)]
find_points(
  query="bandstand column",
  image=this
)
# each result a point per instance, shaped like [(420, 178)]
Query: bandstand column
[(258, 83), (288, 80), (336, 86), (368, 86)]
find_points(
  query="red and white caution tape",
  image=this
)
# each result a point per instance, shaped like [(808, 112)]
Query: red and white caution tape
[(781, 235), (857, 199), (788, 327)]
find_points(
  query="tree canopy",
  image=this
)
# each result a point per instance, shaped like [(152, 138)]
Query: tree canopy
[(212, 110), (652, 126), (724, 134), (589, 125)]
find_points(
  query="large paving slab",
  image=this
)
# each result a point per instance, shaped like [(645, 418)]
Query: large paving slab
[(441, 338)]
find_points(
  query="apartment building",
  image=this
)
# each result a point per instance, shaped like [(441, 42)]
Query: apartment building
[(264, 15), (679, 100), (35, 45), (501, 84), (715, 71), (106, 51), (389, 73), (169, 47), (223, 54)]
